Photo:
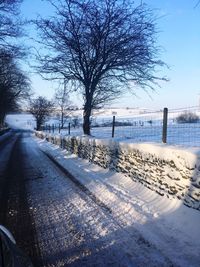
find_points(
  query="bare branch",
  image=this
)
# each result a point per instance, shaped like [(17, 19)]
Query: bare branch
[(197, 4), (103, 46), (14, 84), (40, 108)]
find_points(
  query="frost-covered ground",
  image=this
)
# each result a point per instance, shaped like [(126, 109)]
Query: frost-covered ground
[(140, 125), (165, 223), (21, 121), (187, 135), (146, 126)]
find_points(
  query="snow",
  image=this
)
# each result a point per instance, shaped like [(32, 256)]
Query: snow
[(166, 223), (140, 131), (21, 121), (181, 156), (145, 126)]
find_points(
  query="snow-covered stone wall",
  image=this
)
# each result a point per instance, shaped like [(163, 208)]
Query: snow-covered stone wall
[(170, 171)]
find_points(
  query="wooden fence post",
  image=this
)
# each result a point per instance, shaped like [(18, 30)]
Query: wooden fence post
[(164, 132), (61, 142), (69, 128), (113, 127), (59, 127)]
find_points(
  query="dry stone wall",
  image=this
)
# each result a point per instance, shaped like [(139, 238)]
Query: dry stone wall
[(168, 171)]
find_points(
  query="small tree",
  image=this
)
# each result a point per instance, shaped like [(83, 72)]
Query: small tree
[(103, 47), (62, 104), (75, 121), (40, 108), (187, 117)]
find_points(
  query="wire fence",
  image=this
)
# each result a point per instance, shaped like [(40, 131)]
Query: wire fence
[(141, 127), (177, 126), (184, 126)]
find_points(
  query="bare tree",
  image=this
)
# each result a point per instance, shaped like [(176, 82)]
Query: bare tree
[(63, 103), (75, 121), (103, 47), (14, 85), (198, 2), (40, 108), (9, 23)]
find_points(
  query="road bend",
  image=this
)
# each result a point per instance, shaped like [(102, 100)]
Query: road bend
[(55, 220)]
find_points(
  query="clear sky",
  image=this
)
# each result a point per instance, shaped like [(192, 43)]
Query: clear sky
[(179, 37)]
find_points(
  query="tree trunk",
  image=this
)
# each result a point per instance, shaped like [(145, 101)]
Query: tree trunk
[(86, 118), (2, 117), (38, 124), (62, 120)]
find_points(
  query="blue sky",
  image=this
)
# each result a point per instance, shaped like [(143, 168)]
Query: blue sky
[(179, 37)]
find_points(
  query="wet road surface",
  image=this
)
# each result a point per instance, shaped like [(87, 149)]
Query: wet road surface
[(56, 221)]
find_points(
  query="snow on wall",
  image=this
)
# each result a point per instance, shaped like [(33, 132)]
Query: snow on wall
[(169, 171)]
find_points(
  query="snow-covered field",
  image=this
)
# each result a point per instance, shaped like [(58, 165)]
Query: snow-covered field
[(140, 125), (164, 223), (21, 121)]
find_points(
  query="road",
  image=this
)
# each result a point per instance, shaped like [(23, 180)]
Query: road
[(56, 221)]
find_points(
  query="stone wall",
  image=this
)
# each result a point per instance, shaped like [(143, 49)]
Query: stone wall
[(169, 171)]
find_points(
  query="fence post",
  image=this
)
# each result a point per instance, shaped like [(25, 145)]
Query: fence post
[(61, 142), (49, 128), (59, 127), (113, 127), (69, 128), (53, 128), (164, 132)]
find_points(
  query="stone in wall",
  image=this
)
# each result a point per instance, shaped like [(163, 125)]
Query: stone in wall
[(175, 178)]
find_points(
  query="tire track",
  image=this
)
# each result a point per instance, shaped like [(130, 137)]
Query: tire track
[(80, 185), (15, 212)]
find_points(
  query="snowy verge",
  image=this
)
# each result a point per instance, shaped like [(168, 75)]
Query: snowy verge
[(166, 223), (167, 170)]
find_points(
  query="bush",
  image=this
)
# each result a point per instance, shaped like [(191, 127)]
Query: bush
[(187, 117), (117, 123)]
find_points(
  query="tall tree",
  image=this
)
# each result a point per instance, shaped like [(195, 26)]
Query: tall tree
[(9, 23), (14, 84), (40, 108), (62, 103), (103, 47)]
